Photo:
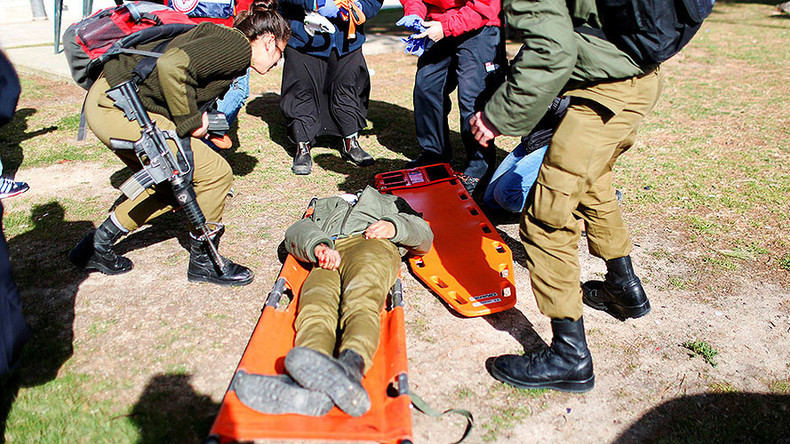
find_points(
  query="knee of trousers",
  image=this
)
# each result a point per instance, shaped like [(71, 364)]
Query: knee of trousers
[(556, 196)]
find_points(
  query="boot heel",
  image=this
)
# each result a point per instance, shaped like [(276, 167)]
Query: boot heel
[(575, 386)]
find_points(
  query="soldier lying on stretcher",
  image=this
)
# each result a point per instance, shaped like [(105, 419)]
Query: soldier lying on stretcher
[(356, 243)]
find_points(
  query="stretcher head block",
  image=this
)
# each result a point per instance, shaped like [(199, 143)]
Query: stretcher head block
[(469, 266), (389, 419)]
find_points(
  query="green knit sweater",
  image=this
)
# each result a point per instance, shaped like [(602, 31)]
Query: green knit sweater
[(197, 67)]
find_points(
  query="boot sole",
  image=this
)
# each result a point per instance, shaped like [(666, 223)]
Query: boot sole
[(273, 395), (364, 163), (583, 386), (315, 371), (92, 266), (199, 279), (620, 312), (301, 171), (95, 266)]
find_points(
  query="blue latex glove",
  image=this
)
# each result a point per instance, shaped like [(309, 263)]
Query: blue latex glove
[(412, 22), (414, 46), (328, 9)]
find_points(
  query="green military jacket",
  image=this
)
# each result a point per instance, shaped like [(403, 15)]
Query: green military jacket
[(334, 218), (198, 66), (554, 60)]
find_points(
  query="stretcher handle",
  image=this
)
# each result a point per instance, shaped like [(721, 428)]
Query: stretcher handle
[(273, 300), (396, 294)]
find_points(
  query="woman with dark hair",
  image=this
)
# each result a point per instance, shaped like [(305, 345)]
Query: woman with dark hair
[(195, 68)]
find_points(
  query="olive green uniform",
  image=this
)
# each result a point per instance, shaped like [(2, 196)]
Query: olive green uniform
[(610, 95), (351, 297), (197, 66)]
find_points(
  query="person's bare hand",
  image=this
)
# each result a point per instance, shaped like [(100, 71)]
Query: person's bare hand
[(328, 258), (203, 130), (434, 31), (483, 130), (382, 229)]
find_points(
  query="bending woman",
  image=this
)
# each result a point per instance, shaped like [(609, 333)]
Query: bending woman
[(196, 67)]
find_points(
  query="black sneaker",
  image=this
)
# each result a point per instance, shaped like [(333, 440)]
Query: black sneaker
[(354, 153), (303, 163)]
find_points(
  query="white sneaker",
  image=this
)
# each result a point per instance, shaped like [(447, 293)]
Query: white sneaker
[(10, 188)]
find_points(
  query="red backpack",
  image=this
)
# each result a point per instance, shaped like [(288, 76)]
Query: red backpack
[(89, 43)]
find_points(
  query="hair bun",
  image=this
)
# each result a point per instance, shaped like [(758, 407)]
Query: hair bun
[(263, 5)]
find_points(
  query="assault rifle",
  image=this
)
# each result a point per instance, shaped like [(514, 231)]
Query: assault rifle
[(159, 162)]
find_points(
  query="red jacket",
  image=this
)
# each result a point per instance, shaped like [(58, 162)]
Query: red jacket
[(457, 16)]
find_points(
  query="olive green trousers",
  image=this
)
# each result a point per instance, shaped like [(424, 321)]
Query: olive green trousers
[(212, 176), (348, 300), (575, 179)]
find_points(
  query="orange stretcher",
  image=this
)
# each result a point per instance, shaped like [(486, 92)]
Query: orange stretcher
[(469, 266), (389, 419)]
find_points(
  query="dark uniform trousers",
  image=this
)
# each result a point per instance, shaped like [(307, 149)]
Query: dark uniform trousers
[(469, 62), (576, 179), (212, 176), (324, 95), (348, 299)]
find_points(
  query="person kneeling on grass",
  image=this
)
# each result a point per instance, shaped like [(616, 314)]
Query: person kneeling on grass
[(356, 243)]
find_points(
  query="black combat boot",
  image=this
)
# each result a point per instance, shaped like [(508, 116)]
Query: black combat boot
[(278, 394), (303, 163), (340, 379), (352, 152), (202, 267), (566, 365), (94, 252), (620, 294)]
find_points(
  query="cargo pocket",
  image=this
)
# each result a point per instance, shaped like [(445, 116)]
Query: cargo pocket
[(556, 196)]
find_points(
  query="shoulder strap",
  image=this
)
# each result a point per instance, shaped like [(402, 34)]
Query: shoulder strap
[(146, 66), (423, 407)]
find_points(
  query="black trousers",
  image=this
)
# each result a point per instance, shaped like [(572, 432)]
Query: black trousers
[(324, 95)]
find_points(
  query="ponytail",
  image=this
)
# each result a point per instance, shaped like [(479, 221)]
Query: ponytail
[(262, 18)]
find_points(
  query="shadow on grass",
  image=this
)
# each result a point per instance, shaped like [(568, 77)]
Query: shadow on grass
[(518, 326), (714, 417), (12, 135), (171, 411), (47, 286)]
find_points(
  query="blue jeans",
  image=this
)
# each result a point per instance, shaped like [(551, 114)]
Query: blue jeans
[(513, 179), (230, 104)]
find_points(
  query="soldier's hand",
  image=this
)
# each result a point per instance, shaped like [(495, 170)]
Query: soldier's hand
[(483, 130), (203, 130), (382, 229), (328, 258)]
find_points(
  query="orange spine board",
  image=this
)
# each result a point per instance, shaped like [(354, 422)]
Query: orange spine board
[(469, 266)]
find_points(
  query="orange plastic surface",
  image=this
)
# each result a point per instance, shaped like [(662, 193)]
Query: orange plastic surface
[(469, 266), (389, 419)]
